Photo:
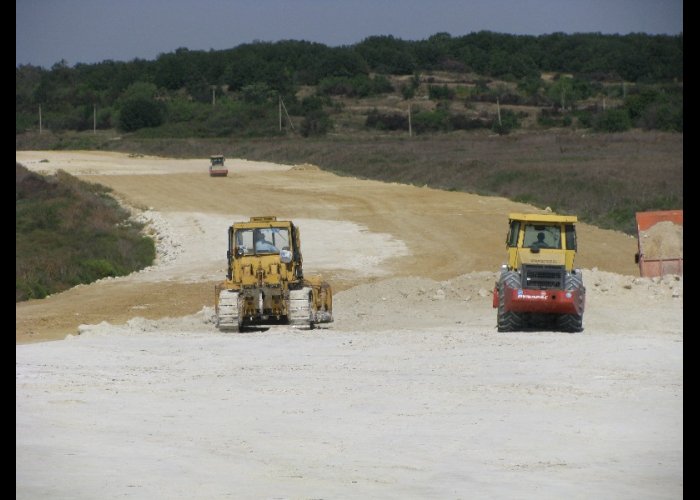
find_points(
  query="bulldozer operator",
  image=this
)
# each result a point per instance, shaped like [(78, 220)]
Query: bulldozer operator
[(540, 241), (261, 244)]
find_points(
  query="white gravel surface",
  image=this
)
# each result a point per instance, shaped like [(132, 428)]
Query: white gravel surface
[(410, 393)]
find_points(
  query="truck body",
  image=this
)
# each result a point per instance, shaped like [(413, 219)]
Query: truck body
[(660, 242), (265, 282), (538, 286)]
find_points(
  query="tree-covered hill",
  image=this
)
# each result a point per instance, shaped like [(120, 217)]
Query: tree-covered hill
[(239, 91)]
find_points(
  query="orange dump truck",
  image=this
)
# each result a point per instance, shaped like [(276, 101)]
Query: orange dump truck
[(660, 240)]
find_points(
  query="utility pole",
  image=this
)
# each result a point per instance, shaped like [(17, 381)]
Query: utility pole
[(286, 114), (410, 132), (279, 110), (498, 110), (94, 119), (39, 119)]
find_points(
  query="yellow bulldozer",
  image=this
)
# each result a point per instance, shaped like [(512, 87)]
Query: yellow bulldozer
[(265, 282)]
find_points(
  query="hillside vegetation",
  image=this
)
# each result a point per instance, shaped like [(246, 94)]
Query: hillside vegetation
[(586, 124), (444, 83), (69, 232)]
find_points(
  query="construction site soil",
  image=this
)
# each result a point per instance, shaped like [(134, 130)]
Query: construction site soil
[(411, 392)]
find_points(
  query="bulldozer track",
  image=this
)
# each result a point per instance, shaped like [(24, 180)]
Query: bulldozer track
[(300, 313), (227, 316)]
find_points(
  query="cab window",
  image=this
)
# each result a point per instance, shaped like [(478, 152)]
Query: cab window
[(512, 238), (570, 237), (542, 236), (274, 236)]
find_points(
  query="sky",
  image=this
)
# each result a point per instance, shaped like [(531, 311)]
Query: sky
[(92, 31)]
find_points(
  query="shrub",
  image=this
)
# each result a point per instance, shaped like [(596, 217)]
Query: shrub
[(315, 123), (612, 120), (554, 118), (383, 121), (430, 121), (95, 269), (509, 121), (462, 122), (438, 93), (656, 109)]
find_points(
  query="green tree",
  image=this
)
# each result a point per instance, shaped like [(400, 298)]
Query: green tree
[(257, 93), (139, 112), (565, 91), (386, 54), (139, 90)]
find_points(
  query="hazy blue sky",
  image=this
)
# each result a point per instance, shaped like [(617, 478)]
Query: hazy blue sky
[(90, 31)]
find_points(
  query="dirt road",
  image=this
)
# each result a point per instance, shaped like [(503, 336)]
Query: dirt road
[(406, 232), (409, 393)]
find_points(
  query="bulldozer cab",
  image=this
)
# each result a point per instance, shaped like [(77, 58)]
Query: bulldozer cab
[(263, 240)]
